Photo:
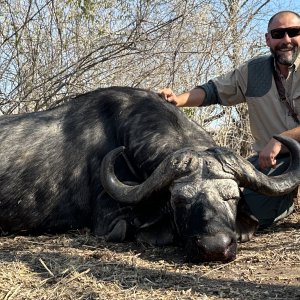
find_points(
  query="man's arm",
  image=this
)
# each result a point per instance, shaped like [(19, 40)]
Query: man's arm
[(267, 156), (193, 98)]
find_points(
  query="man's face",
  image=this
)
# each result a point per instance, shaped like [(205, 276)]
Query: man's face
[(285, 49)]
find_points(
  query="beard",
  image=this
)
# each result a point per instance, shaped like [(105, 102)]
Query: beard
[(285, 58)]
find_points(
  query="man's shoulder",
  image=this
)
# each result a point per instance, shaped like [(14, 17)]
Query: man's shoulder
[(261, 58), (260, 71), (258, 60), (262, 63)]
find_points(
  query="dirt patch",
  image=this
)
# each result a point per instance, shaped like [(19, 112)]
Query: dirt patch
[(80, 266)]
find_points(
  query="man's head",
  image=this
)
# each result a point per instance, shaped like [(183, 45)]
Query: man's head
[(283, 37)]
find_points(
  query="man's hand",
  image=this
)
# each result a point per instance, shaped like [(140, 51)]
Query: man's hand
[(267, 157), (168, 95), (195, 97)]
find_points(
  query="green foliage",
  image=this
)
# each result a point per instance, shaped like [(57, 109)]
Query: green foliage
[(86, 8), (190, 112)]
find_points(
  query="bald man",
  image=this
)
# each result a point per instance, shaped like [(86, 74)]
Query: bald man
[(270, 85)]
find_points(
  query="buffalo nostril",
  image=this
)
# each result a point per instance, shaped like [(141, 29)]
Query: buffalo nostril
[(223, 240), (218, 247), (216, 242)]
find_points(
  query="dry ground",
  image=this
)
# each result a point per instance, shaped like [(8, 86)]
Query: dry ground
[(80, 266)]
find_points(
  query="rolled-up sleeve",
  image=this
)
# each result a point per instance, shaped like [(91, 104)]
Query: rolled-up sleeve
[(212, 95)]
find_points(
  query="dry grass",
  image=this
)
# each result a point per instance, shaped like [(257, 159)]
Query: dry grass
[(80, 266)]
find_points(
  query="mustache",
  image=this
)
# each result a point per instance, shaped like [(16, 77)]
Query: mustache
[(286, 46)]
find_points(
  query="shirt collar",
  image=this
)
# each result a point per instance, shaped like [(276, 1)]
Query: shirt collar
[(297, 62)]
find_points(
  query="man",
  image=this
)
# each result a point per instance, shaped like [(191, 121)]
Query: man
[(270, 85)]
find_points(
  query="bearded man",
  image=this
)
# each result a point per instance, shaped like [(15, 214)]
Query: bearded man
[(270, 85)]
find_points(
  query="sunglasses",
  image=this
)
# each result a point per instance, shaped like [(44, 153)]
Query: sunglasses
[(279, 33)]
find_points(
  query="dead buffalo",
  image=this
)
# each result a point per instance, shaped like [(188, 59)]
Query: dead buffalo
[(130, 166)]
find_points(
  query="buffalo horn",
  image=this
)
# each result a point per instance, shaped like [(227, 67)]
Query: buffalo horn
[(248, 176), (173, 166)]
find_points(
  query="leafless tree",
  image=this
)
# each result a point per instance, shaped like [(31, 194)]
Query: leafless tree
[(52, 50)]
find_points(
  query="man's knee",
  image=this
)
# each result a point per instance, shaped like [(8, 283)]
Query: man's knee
[(269, 209)]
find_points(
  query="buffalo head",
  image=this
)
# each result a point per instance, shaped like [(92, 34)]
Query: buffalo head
[(205, 195)]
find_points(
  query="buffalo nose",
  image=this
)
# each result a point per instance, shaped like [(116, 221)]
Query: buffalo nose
[(217, 247)]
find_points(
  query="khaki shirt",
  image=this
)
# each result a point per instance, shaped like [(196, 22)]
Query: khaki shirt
[(253, 83)]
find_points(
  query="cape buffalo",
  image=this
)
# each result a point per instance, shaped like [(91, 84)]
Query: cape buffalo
[(130, 166)]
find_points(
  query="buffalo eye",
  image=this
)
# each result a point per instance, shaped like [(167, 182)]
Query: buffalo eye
[(180, 201)]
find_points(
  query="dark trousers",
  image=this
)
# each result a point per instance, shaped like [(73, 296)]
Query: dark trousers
[(269, 209)]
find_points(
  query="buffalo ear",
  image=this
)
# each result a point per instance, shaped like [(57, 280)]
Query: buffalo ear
[(118, 233), (246, 223), (160, 233)]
